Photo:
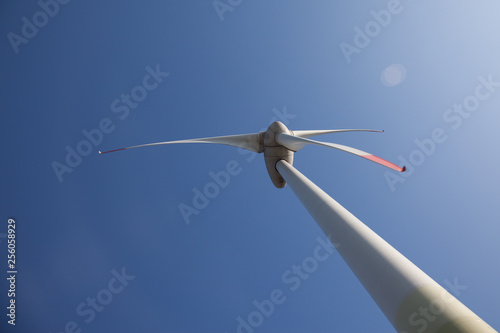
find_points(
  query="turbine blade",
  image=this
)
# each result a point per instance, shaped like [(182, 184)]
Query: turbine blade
[(247, 141), (296, 143), (307, 134)]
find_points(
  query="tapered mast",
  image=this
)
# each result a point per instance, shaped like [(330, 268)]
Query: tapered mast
[(409, 298)]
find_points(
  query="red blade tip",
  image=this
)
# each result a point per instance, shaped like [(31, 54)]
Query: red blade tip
[(110, 151), (383, 162)]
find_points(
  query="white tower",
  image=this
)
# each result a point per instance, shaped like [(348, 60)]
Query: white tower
[(410, 299)]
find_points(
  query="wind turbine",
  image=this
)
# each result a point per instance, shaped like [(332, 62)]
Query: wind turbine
[(409, 298)]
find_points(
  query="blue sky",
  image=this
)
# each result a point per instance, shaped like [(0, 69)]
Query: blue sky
[(108, 227)]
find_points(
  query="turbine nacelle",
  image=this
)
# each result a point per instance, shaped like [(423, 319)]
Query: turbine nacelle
[(274, 151), (278, 143)]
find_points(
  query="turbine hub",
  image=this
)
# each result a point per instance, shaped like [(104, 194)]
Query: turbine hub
[(273, 152)]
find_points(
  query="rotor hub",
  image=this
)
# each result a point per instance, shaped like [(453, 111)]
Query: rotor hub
[(273, 152)]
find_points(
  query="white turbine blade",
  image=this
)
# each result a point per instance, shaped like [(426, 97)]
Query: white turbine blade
[(295, 143), (307, 134), (246, 141)]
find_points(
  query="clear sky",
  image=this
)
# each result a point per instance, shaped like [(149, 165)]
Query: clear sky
[(101, 243)]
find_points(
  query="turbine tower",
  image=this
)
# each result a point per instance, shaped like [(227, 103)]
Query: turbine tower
[(409, 298)]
